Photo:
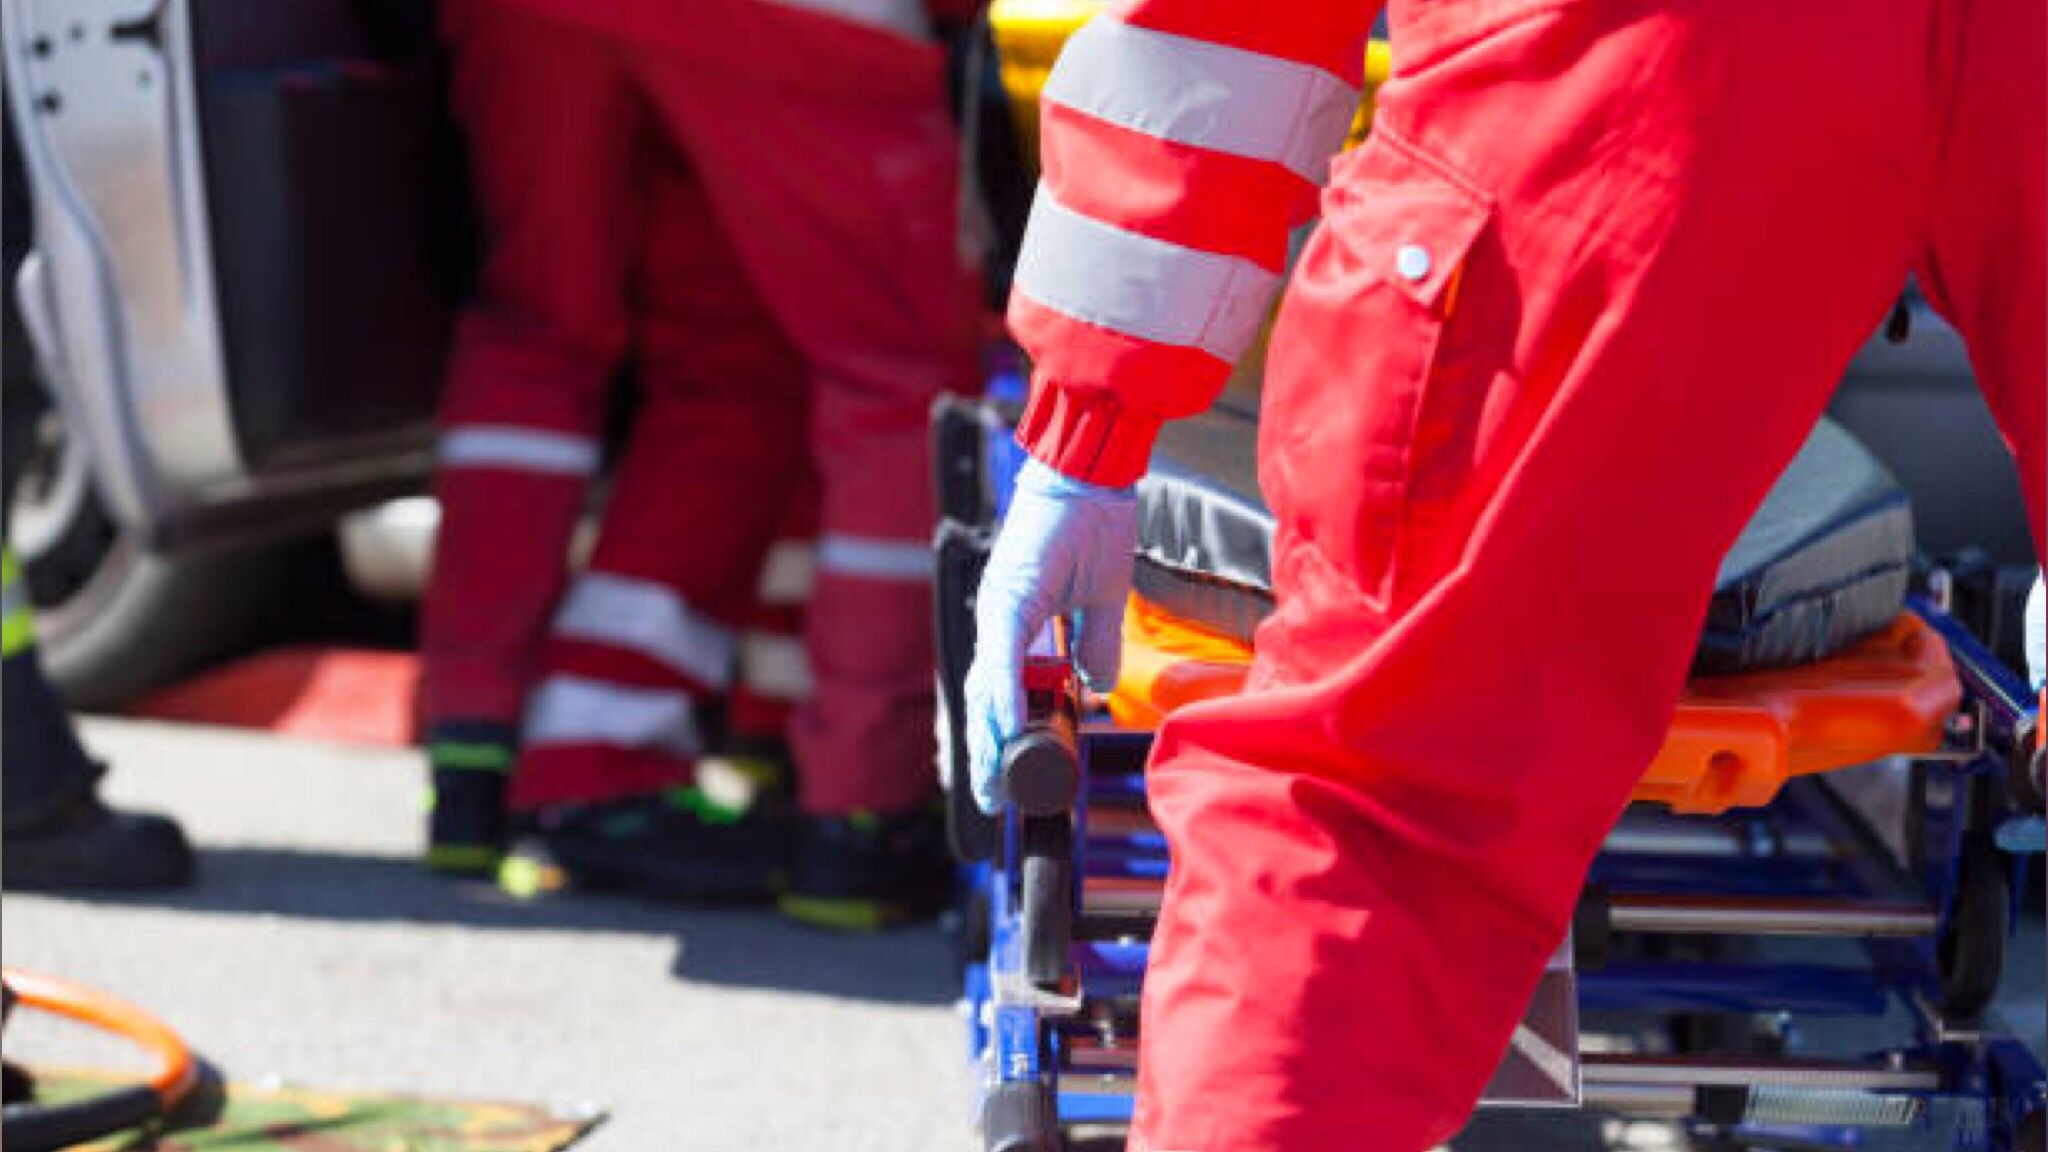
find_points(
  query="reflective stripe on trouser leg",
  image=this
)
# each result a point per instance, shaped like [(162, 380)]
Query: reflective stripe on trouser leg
[(517, 449), (773, 665), (615, 713), (875, 558), (588, 741), (649, 619), (774, 669), (863, 739), (17, 615)]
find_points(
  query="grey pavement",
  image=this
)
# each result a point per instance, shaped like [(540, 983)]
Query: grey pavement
[(313, 951)]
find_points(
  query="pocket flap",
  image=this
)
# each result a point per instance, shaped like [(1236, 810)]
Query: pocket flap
[(1406, 216)]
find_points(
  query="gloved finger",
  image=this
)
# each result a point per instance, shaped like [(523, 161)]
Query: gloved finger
[(1007, 617), (984, 755), (988, 686), (1099, 644)]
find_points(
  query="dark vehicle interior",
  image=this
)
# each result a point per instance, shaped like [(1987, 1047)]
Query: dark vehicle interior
[(342, 237)]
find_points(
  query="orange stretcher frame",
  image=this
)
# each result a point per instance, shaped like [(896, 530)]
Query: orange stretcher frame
[(1734, 741)]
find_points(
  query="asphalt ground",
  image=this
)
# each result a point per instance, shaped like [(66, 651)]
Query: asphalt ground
[(313, 951)]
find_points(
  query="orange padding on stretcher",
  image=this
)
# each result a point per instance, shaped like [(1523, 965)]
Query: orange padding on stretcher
[(1734, 741)]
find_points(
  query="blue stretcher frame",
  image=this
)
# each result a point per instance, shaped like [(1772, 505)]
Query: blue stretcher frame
[(1969, 1088)]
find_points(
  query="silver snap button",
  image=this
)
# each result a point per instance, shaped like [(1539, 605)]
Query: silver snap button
[(1412, 262)]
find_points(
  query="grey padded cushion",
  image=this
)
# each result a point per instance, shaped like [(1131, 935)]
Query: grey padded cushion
[(1822, 564)]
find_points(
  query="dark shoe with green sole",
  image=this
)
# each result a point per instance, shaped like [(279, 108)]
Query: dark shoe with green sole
[(674, 847), (863, 873), (466, 819)]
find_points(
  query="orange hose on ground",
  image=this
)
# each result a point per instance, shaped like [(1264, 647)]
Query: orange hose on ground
[(176, 1070)]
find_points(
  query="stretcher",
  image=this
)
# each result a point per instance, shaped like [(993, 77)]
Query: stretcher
[(1818, 840)]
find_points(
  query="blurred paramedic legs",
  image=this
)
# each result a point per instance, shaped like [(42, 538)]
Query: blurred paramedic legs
[(1525, 388), (759, 201)]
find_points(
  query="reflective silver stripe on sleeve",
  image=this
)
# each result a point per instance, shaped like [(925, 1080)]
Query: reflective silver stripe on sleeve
[(775, 666), (650, 619), (1205, 95), (874, 558), (1141, 286), (523, 449), (576, 710)]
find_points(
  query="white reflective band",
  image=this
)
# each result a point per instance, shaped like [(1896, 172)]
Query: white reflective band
[(903, 17), (525, 449), (1141, 286), (875, 559), (1206, 95), (775, 666), (574, 710), (787, 573), (650, 619)]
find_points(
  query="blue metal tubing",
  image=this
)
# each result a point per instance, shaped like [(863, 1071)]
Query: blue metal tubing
[(1110, 969), (1117, 791), (1808, 989), (1690, 875), (2011, 705), (1904, 966), (1095, 1108), (1127, 843), (1018, 1034), (1131, 865), (2017, 1083)]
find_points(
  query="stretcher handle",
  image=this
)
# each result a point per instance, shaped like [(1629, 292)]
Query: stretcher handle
[(1041, 771), (1041, 767)]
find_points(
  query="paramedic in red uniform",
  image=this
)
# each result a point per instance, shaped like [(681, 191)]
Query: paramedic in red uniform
[(1572, 307), (756, 200)]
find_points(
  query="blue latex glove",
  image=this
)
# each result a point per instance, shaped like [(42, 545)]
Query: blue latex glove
[(1064, 551)]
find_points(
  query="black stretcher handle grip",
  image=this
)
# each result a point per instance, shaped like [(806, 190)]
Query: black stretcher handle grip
[(1041, 770)]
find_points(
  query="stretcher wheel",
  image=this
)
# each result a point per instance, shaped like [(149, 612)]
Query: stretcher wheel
[(1046, 899), (1971, 950), (1019, 1117)]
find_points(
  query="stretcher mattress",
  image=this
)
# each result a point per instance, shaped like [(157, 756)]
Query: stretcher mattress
[(1823, 564)]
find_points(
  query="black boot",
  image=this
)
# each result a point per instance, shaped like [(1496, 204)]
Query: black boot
[(466, 821), (863, 873), (89, 845), (54, 831)]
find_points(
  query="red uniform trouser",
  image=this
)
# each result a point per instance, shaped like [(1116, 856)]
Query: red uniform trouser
[(782, 259), (1575, 304)]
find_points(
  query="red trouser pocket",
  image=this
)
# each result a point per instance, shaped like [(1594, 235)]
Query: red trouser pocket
[(1372, 301)]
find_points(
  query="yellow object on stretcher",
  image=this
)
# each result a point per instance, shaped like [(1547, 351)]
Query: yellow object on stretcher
[(1734, 741), (1030, 33)]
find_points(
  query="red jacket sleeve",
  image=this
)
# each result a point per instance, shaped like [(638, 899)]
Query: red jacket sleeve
[(1182, 140)]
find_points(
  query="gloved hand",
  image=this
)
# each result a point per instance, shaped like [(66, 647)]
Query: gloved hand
[(1064, 551)]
